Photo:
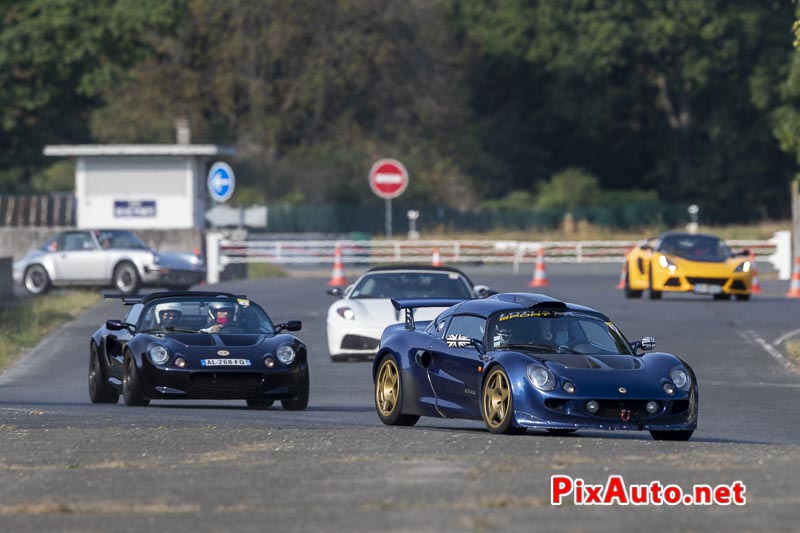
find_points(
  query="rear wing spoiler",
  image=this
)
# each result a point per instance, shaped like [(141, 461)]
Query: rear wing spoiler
[(127, 299), (409, 304)]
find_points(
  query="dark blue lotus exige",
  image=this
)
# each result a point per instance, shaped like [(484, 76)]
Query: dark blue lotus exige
[(198, 345), (519, 360)]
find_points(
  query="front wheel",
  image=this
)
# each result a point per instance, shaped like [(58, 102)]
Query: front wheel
[(99, 390), (683, 435), (653, 294), (36, 280), (630, 293), (497, 405), (301, 401), (131, 388), (126, 278), (389, 395)]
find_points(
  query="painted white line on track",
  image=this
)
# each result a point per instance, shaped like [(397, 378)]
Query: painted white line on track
[(753, 337), (759, 384), (786, 336)]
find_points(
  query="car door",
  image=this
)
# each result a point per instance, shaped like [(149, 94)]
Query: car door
[(78, 258), (454, 367)]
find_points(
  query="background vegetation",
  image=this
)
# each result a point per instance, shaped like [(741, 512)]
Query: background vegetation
[(505, 104), (26, 322)]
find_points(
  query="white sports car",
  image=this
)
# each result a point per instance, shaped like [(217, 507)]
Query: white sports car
[(356, 321)]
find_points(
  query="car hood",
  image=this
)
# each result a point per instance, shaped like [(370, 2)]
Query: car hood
[(380, 312), (182, 341), (175, 261), (560, 362), (708, 268)]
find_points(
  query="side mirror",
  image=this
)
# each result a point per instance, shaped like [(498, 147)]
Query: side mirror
[(478, 344), (647, 343), (118, 325), (336, 291), (482, 291), (745, 253), (292, 325), (646, 247)]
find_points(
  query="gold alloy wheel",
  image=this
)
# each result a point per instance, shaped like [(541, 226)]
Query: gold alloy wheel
[(496, 399), (387, 389)]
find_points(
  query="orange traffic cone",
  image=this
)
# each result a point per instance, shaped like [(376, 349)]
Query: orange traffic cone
[(794, 287), (337, 276), (755, 286), (436, 259), (539, 274), (622, 274)]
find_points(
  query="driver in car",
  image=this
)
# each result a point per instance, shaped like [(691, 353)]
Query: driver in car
[(220, 315)]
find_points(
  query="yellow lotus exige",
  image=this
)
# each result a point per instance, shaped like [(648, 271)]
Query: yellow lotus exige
[(682, 262)]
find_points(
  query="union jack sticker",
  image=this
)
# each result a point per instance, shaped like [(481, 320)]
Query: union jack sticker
[(458, 341)]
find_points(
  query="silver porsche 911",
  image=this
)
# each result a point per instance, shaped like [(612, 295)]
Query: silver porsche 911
[(115, 258)]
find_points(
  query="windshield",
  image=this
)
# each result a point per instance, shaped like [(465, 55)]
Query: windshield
[(695, 248), (412, 285), (119, 240), (195, 314), (555, 331)]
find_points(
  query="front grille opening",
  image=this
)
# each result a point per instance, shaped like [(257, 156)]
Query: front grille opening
[(611, 409), (673, 282), (357, 342), (708, 281), (679, 406), (555, 404), (738, 285), (226, 381)]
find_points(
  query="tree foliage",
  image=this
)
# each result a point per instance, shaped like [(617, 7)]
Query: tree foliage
[(695, 101)]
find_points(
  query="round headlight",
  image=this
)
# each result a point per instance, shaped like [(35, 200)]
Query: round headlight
[(679, 377), (285, 354), (541, 378), (158, 354)]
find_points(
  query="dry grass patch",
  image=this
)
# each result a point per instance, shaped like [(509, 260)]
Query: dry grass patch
[(793, 351), (24, 323)]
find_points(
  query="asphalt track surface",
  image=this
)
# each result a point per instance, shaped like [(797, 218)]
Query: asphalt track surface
[(66, 464)]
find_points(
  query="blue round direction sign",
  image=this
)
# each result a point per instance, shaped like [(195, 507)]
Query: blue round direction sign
[(221, 182)]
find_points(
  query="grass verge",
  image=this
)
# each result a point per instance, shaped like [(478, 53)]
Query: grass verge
[(793, 351), (265, 270), (24, 323)]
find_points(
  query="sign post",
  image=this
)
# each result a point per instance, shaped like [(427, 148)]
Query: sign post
[(388, 179)]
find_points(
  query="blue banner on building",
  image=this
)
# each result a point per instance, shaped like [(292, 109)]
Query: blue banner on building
[(134, 208)]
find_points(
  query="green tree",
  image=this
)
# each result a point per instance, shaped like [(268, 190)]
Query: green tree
[(55, 59), (568, 189)]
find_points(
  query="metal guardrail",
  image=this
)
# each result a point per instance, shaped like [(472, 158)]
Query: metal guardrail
[(290, 252)]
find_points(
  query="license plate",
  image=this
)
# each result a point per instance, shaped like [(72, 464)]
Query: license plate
[(224, 362), (704, 288)]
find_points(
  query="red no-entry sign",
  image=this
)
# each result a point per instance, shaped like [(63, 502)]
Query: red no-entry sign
[(388, 178)]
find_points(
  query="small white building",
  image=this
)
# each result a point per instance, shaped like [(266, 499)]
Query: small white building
[(140, 186)]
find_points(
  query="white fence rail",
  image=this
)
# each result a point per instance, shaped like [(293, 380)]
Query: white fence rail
[(223, 252)]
